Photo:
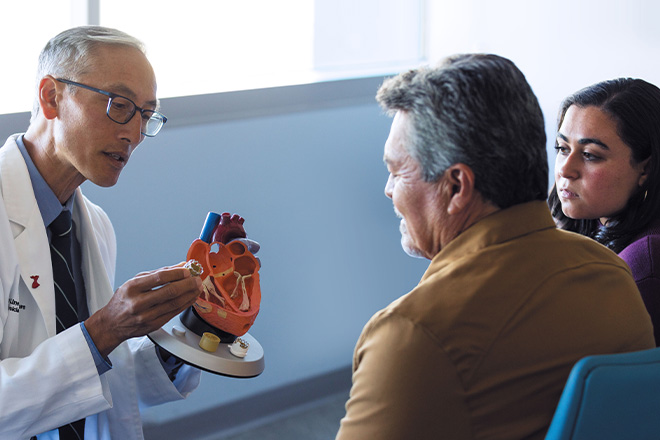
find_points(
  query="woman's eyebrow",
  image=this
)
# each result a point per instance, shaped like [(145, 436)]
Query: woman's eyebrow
[(586, 141)]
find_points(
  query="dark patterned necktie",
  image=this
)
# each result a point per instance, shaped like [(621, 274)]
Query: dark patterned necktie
[(65, 295), (65, 288)]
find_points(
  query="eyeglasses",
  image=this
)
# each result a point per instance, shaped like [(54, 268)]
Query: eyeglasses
[(121, 110)]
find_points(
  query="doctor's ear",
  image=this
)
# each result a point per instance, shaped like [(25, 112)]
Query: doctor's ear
[(48, 96)]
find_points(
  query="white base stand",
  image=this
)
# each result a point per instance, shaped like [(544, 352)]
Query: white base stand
[(186, 347)]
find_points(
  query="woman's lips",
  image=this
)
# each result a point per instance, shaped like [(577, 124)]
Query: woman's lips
[(567, 194)]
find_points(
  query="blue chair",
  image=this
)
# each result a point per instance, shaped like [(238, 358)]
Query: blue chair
[(614, 396)]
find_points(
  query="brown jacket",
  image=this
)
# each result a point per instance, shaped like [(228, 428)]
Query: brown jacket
[(482, 347)]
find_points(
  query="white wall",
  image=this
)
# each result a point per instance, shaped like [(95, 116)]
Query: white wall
[(560, 46)]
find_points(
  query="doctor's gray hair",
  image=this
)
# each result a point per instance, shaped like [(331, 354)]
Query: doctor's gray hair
[(70, 54), (479, 110)]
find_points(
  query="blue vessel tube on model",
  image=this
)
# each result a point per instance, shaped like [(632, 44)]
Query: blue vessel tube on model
[(212, 221)]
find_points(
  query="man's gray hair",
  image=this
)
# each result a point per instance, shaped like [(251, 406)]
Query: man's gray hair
[(479, 110), (69, 54)]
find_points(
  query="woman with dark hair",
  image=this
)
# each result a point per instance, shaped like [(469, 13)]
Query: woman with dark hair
[(606, 176)]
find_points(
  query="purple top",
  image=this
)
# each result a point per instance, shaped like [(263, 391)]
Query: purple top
[(643, 257)]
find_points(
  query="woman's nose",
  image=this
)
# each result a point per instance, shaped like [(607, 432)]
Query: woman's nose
[(566, 166)]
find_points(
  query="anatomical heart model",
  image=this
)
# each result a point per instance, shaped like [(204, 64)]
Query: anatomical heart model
[(230, 277)]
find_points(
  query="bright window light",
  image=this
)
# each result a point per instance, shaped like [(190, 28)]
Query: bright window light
[(210, 46), (23, 35)]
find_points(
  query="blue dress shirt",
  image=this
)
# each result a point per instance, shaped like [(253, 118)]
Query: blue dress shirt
[(50, 208)]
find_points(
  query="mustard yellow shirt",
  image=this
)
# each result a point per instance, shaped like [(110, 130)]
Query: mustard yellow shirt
[(482, 347)]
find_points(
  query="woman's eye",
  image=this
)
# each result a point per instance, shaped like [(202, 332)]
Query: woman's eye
[(589, 156), (561, 149)]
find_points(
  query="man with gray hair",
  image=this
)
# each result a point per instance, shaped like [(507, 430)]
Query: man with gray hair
[(71, 363), (482, 346)]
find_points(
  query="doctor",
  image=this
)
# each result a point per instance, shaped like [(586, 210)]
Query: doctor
[(96, 100)]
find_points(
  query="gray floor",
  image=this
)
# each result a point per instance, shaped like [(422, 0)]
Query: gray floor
[(315, 421)]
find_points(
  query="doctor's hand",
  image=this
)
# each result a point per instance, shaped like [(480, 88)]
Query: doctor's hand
[(141, 305)]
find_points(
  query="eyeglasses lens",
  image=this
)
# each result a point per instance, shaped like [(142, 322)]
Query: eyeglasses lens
[(121, 110)]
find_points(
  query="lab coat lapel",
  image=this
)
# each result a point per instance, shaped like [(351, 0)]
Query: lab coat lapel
[(29, 231), (97, 284)]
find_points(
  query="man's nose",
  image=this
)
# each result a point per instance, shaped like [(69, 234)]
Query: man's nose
[(388, 186), (132, 132)]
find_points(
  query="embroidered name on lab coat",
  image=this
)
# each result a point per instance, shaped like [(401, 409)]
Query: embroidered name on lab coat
[(15, 306)]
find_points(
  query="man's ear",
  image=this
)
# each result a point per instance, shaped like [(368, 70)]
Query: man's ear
[(48, 97), (460, 178)]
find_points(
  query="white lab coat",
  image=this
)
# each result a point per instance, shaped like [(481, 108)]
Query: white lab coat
[(49, 379)]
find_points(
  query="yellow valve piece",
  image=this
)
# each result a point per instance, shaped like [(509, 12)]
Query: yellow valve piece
[(209, 342)]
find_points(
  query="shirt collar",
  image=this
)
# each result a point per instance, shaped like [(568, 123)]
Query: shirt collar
[(499, 227), (49, 206)]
